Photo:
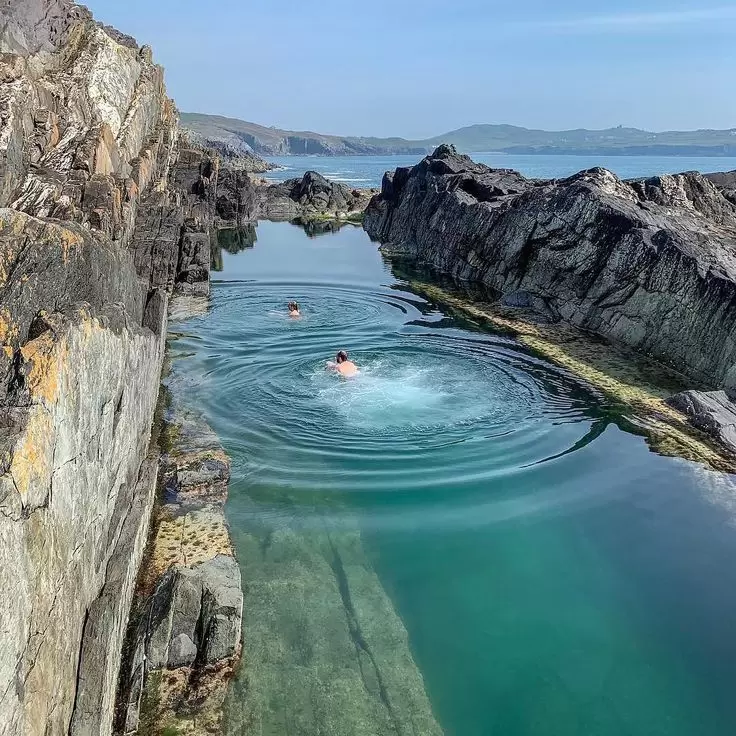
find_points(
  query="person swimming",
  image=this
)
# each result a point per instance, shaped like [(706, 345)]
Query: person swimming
[(294, 309), (343, 365)]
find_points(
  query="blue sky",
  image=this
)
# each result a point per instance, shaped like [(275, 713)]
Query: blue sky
[(419, 68)]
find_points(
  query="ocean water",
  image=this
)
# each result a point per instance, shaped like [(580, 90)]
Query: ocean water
[(367, 171), (459, 540)]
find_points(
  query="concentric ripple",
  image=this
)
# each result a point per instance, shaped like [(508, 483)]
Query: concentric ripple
[(435, 406)]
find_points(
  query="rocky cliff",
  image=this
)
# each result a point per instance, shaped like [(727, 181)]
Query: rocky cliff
[(103, 215), (650, 264), (231, 149), (264, 141)]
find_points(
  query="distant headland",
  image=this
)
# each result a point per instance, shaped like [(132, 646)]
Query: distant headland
[(259, 139)]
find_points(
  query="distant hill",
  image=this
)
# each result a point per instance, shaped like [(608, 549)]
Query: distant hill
[(274, 142), (472, 139)]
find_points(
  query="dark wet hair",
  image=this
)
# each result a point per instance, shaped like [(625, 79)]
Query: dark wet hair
[(293, 306), (342, 356)]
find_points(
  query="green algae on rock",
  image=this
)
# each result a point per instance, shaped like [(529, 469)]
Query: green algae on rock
[(637, 387)]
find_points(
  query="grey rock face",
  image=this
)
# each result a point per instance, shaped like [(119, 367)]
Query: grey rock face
[(237, 201), (92, 229), (196, 615), (650, 264), (31, 26), (713, 412), (726, 183)]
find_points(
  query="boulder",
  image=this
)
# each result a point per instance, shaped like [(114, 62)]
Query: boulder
[(192, 621), (312, 195), (710, 411)]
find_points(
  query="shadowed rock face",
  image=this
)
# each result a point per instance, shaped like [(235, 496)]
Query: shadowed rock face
[(726, 183), (650, 264)]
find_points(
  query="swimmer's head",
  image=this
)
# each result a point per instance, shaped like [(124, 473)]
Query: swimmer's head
[(341, 357), (293, 306)]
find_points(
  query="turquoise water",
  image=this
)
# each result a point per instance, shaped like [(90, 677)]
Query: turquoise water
[(502, 544), (367, 171)]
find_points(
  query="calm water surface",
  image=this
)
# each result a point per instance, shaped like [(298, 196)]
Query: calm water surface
[(554, 575), (367, 171)]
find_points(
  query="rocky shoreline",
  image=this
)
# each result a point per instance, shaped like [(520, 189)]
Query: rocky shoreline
[(104, 215), (649, 265)]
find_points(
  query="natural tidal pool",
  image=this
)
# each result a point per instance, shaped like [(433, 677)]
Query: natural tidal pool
[(460, 540)]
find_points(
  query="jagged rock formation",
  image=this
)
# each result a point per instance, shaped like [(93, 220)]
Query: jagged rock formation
[(726, 183), (241, 200), (650, 264), (102, 216), (311, 195)]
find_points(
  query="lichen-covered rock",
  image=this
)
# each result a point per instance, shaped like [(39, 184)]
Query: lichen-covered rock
[(185, 634), (649, 264), (101, 216)]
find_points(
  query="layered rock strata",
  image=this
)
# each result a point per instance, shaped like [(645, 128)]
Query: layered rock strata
[(102, 216), (650, 264)]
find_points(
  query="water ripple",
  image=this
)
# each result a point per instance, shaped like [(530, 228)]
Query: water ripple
[(433, 407)]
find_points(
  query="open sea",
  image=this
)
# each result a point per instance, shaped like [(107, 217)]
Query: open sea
[(367, 171)]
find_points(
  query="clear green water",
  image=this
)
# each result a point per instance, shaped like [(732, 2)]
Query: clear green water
[(471, 507)]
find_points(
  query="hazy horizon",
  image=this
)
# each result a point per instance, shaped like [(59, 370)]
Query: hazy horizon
[(416, 71), (442, 132)]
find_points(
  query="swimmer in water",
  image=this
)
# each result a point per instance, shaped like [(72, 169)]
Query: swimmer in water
[(343, 365), (294, 309)]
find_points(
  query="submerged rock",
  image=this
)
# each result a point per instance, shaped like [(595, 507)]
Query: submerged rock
[(650, 264), (325, 652)]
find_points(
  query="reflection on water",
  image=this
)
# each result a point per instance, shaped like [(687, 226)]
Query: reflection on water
[(462, 535)]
